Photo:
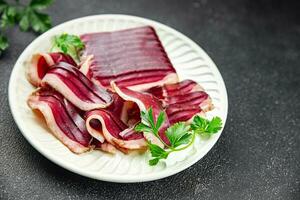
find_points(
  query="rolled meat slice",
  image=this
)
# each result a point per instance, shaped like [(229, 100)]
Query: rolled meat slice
[(104, 126), (133, 58), (183, 100), (63, 119), (42, 62), (144, 102), (74, 86)]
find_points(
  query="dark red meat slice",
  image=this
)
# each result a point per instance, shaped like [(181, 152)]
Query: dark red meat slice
[(133, 58), (62, 118), (182, 100), (42, 62), (105, 126), (145, 101), (75, 87)]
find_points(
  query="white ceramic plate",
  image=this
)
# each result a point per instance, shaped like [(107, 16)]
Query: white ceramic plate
[(190, 61)]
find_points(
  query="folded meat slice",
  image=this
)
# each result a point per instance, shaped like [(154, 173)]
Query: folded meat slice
[(42, 62), (75, 87), (133, 58), (105, 126), (145, 101), (183, 100), (63, 119)]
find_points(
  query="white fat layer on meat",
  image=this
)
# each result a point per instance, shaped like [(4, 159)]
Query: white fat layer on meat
[(93, 132), (169, 79), (128, 144), (149, 136), (48, 58), (86, 63), (60, 86), (206, 105), (108, 148), (74, 146), (32, 71)]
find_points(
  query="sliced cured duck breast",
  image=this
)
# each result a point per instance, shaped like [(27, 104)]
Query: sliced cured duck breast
[(105, 146), (145, 101), (104, 126), (180, 113), (182, 100), (133, 58), (74, 86), (42, 62), (63, 119)]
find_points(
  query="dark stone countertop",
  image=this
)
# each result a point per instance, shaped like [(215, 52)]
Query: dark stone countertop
[(256, 46)]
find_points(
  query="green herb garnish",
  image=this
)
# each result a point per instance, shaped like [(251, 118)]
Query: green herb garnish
[(205, 127), (180, 135), (70, 44), (27, 16)]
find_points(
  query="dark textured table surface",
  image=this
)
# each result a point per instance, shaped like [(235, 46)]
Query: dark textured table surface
[(256, 46)]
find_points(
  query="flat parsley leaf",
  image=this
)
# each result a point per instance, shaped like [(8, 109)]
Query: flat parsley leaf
[(40, 4), (157, 153), (9, 16), (178, 134), (3, 43), (142, 128), (160, 120), (205, 127), (40, 22), (24, 22), (27, 16), (215, 125), (148, 120), (3, 5), (70, 44)]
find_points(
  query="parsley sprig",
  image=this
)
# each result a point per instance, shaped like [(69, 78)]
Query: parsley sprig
[(149, 125), (205, 127), (70, 44), (180, 135), (26, 16)]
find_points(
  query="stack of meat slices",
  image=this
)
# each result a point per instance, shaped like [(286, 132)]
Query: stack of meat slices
[(96, 104)]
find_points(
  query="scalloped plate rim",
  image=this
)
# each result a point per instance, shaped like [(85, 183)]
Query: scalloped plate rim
[(112, 178)]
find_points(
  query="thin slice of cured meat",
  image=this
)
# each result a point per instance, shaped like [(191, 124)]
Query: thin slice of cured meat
[(63, 119), (103, 146), (145, 101), (42, 62), (75, 87), (183, 100), (105, 126), (133, 58)]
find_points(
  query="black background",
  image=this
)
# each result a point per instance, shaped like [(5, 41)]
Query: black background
[(256, 46)]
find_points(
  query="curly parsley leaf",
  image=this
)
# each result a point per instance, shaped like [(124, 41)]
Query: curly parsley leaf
[(70, 44), (178, 134), (206, 128)]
